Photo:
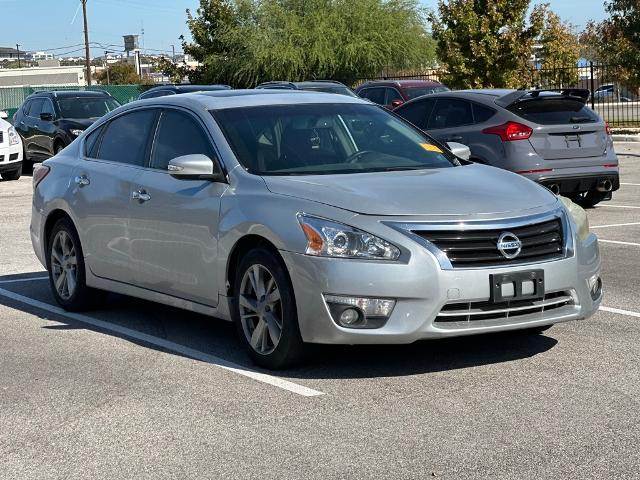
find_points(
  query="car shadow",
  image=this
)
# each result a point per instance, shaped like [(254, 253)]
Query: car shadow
[(217, 338)]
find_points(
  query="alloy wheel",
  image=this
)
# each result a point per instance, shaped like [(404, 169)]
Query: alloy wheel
[(260, 309), (64, 265)]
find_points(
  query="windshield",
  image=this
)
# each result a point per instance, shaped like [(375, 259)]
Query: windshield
[(322, 139), (337, 89), (415, 92), (86, 107)]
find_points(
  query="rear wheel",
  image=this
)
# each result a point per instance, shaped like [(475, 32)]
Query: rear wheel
[(265, 312), (13, 175), (65, 263), (58, 147), (590, 198)]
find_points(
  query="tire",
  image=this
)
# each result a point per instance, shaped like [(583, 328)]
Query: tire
[(58, 147), (264, 307), (14, 175), (589, 199), (65, 259)]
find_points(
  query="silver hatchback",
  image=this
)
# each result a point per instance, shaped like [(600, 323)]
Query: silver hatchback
[(306, 218)]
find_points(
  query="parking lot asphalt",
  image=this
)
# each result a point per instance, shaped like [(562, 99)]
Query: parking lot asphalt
[(138, 390)]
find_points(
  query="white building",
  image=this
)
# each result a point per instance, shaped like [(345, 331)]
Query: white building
[(38, 76)]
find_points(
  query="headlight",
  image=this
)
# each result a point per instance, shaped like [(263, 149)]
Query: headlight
[(332, 239), (579, 217), (75, 132), (14, 139)]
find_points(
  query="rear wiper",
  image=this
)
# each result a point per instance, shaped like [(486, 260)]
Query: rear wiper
[(580, 119)]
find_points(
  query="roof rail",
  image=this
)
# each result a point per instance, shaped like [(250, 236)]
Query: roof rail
[(277, 82), (325, 81)]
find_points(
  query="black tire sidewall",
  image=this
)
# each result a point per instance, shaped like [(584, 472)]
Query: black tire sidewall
[(80, 300), (290, 347), (13, 175)]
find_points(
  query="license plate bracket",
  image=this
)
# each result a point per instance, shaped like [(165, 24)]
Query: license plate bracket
[(529, 281)]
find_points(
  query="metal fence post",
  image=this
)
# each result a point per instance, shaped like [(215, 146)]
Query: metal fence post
[(591, 86)]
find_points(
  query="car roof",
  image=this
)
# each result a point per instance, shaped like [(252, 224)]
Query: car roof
[(71, 93), (189, 88), (303, 84), (401, 83), (220, 99)]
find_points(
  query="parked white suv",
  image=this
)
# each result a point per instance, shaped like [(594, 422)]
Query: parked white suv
[(10, 150)]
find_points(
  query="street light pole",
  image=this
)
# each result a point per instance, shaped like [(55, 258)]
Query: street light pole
[(18, 49), (106, 65), (86, 41)]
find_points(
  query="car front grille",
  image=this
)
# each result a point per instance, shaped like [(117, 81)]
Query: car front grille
[(479, 248), (13, 156), (487, 310), (1, 158)]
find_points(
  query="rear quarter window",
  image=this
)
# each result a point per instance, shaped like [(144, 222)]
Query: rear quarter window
[(554, 111)]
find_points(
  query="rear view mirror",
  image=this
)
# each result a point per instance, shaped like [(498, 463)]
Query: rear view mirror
[(194, 167), (4, 115), (459, 150), (47, 117)]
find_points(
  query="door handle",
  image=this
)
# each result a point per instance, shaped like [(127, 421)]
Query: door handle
[(82, 180), (141, 196)]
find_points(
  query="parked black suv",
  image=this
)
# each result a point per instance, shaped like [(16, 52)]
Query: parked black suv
[(164, 90), (48, 121), (327, 86)]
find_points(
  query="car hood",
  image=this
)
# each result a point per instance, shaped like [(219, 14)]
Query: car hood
[(467, 190), (80, 123)]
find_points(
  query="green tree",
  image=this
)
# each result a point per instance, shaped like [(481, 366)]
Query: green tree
[(120, 74), (560, 52), (485, 43), (244, 42)]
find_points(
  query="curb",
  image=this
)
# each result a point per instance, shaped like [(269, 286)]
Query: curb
[(625, 138)]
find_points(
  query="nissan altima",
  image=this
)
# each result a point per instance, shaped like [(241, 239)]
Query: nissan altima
[(306, 218)]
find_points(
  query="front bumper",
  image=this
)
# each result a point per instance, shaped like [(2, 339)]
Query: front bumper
[(422, 288), (10, 157)]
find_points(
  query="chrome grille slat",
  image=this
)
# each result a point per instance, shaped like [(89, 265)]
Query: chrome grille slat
[(478, 248)]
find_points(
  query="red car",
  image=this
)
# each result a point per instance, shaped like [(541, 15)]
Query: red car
[(393, 93)]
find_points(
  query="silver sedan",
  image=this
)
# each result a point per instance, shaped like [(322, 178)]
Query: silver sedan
[(306, 218)]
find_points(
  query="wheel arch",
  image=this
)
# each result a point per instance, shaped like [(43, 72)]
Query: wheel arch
[(51, 220), (240, 248)]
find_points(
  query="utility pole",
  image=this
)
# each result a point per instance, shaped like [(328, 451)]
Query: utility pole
[(86, 41), (106, 65), (173, 54), (18, 49)]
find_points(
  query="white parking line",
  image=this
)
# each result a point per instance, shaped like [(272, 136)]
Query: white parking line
[(617, 206), (621, 312), (617, 242), (166, 344), (634, 184), (615, 225), (19, 280)]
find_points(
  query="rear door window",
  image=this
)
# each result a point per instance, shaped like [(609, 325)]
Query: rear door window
[(554, 111), (417, 112), (449, 113), (91, 143), (178, 134), (127, 138), (376, 95), (481, 113)]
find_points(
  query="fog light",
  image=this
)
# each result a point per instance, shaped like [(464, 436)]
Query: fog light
[(349, 316), (359, 312), (595, 286)]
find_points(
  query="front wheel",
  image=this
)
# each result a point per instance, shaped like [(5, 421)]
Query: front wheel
[(265, 312), (14, 175), (65, 263)]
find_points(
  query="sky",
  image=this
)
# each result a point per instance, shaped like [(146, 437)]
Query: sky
[(52, 24)]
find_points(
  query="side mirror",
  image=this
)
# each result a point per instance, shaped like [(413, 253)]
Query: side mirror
[(47, 117), (396, 103), (4, 115), (459, 150), (194, 167)]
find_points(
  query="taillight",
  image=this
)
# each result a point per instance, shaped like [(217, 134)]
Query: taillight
[(607, 128), (510, 131), (39, 172)]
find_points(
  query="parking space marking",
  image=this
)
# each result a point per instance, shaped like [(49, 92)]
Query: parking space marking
[(632, 184), (167, 345), (615, 225), (618, 206), (20, 280), (618, 242), (620, 311)]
